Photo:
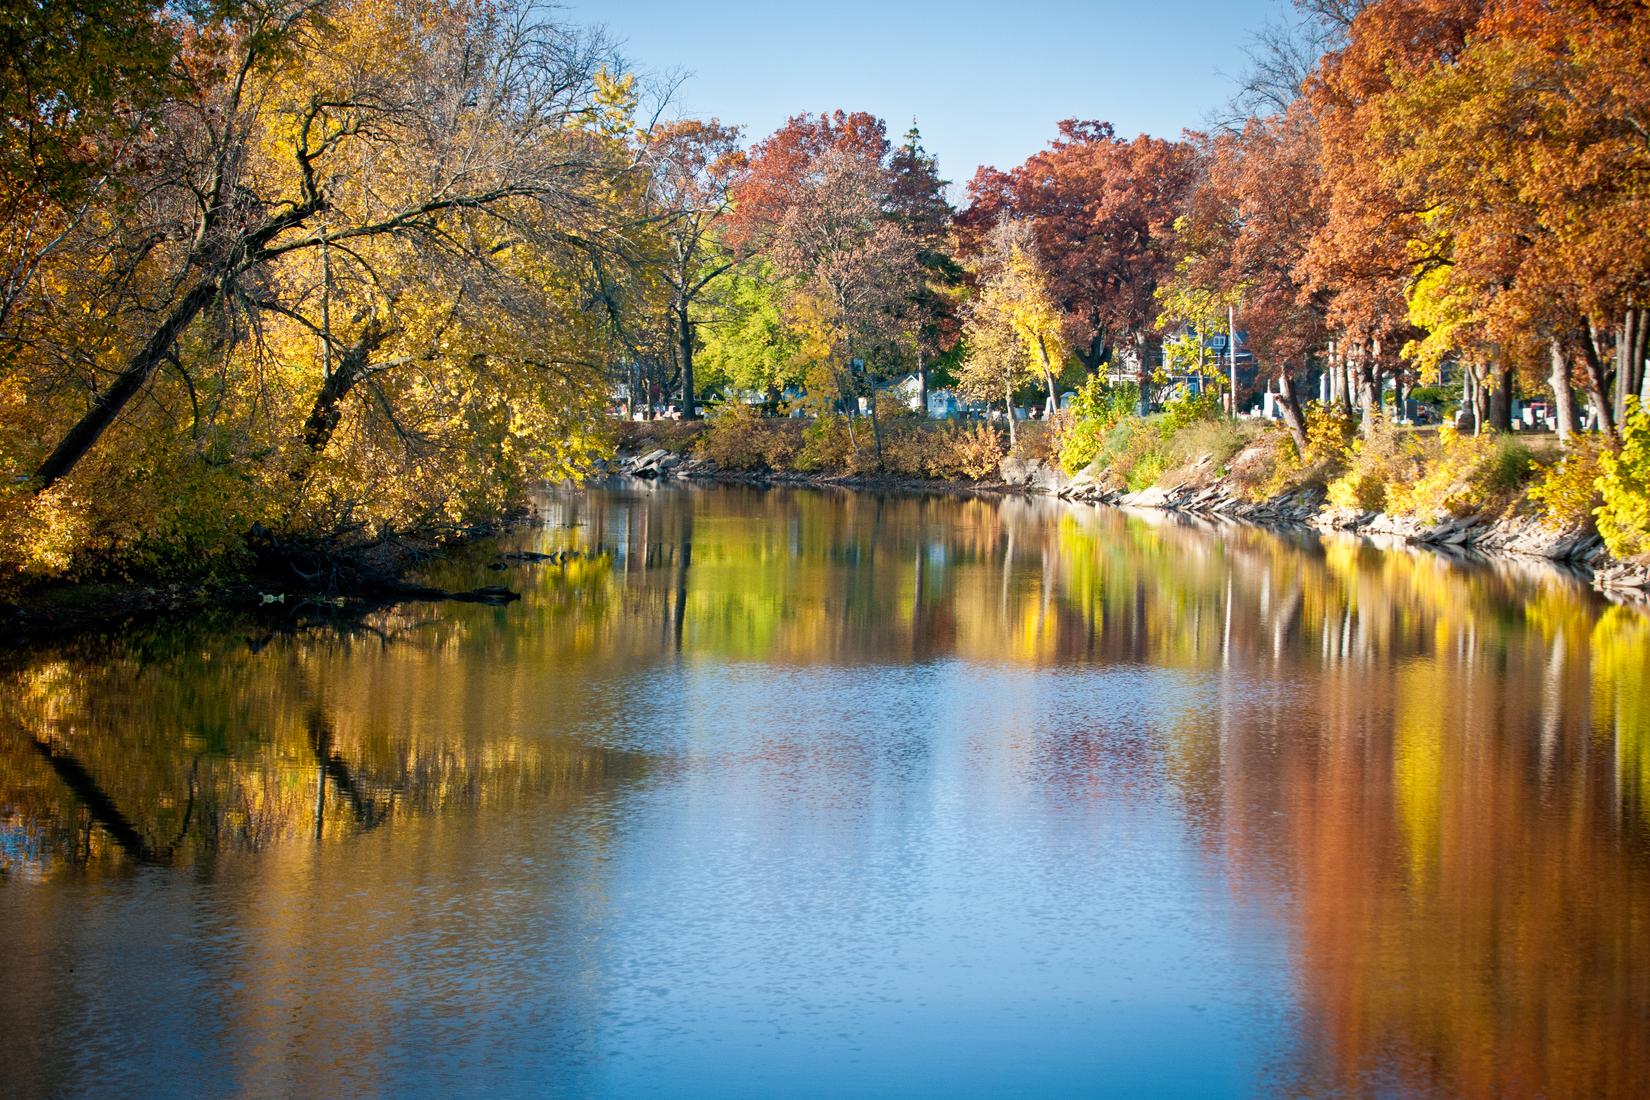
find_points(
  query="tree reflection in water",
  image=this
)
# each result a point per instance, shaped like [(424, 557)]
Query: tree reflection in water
[(1434, 776)]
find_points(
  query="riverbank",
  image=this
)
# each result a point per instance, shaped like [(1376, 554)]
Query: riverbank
[(1508, 526), (287, 584), (284, 583)]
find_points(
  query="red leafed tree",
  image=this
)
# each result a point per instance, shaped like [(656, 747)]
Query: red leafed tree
[(1582, 70), (780, 168), (1248, 225), (1102, 210), (1363, 257)]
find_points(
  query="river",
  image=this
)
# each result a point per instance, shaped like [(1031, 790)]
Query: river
[(806, 793)]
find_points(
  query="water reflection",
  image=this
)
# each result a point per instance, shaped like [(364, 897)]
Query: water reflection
[(781, 770)]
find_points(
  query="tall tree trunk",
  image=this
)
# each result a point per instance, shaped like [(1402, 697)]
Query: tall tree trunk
[(1332, 378), (1474, 401), (1624, 362), (1142, 349), (1290, 405), (96, 420), (245, 253), (684, 330), (1369, 394), (922, 381), (1501, 398), (1641, 351), (327, 409), (1630, 351), (1564, 402), (876, 429), (1369, 389), (1480, 401), (1008, 406), (1095, 355)]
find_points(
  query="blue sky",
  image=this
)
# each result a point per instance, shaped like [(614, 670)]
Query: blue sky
[(986, 82)]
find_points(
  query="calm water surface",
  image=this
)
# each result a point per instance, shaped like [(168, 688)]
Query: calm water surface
[(829, 795)]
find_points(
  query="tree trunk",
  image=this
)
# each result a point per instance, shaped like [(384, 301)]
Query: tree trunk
[(1641, 350), (1332, 375), (1369, 395), (245, 253), (1095, 355), (922, 381), (1501, 398), (1048, 377), (684, 330), (96, 420), (327, 409), (1143, 350), (1630, 352), (1598, 381), (1290, 405), (876, 430), (1008, 406), (1564, 402), (1369, 390), (1480, 402)]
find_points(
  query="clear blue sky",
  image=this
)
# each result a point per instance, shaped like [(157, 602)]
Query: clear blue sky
[(986, 82)]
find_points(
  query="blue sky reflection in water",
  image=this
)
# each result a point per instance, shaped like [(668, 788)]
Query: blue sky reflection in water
[(819, 794)]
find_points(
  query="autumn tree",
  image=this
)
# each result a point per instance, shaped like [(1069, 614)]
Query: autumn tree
[(780, 170), (1013, 326), (1556, 94), (748, 340), (1249, 222), (1361, 260), (855, 267), (79, 87), (441, 130), (694, 165), (358, 279), (844, 233), (917, 201), (1102, 210)]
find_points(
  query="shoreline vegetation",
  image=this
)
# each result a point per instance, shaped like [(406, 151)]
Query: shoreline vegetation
[(1494, 496), (1488, 497), (298, 292)]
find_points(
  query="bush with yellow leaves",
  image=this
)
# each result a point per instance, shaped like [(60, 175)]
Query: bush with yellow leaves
[(1624, 487), (38, 534), (1383, 462), (1465, 474), (972, 451), (1330, 432), (1567, 491), (739, 437)]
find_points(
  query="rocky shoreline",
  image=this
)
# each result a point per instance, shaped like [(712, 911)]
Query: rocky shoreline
[(1522, 537), (659, 464)]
